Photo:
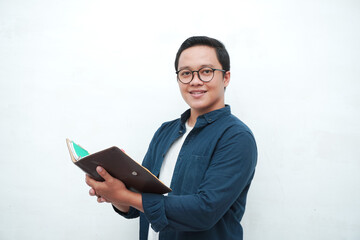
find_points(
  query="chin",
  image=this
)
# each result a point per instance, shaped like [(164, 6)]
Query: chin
[(201, 109), (196, 105)]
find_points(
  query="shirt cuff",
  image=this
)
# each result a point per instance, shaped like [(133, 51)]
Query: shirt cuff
[(154, 209), (133, 212)]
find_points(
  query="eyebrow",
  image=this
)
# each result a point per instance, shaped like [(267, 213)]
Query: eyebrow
[(204, 65)]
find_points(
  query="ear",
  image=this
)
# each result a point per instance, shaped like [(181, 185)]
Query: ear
[(226, 79)]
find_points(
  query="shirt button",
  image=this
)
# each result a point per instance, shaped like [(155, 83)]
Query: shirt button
[(180, 131)]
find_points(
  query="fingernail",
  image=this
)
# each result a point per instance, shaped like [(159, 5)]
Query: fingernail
[(99, 169)]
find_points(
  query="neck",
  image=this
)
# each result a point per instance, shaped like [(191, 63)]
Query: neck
[(192, 120)]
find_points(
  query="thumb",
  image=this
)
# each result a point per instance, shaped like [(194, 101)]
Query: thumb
[(103, 173)]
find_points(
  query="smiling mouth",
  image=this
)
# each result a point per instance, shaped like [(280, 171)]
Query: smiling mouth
[(197, 92)]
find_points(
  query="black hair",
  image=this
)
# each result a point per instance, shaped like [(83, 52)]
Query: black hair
[(219, 47)]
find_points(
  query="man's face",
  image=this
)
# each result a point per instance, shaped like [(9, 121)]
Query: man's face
[(203, 97)]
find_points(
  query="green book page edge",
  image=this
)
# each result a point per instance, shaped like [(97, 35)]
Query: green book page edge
[(79, 150)]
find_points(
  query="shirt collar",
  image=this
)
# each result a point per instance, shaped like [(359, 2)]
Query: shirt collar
[(206, 118)]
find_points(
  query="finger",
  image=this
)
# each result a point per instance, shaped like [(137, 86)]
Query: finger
[(89, 181), (103, 173), (101, 200), (92, 192)]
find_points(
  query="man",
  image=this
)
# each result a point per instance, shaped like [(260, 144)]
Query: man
[(207, 156)]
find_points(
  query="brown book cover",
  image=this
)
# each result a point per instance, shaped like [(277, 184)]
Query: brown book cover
[(119, 165)]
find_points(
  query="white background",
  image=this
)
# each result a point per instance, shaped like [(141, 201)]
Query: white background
[(102, 74)]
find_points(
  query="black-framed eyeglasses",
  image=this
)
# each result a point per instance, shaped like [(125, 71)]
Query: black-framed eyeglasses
[(205, 74)]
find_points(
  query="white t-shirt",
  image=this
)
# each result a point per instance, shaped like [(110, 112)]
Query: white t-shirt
[(167, 169)]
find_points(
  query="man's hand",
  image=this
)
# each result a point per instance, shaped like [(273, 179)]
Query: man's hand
[(113, 191)]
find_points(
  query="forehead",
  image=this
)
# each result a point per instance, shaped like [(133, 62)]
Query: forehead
[(198, 56)]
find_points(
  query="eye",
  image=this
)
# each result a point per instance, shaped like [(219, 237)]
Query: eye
[(206, 71), (185, 73)]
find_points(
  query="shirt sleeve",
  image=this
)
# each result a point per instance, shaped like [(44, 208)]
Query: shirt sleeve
[(228, 176)]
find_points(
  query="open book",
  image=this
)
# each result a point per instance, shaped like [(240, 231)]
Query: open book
[(119, 165)]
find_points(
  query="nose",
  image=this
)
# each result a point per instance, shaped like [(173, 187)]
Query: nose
[(196, 80)]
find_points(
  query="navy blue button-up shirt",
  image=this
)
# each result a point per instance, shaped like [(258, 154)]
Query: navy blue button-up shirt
[(210, 182)]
